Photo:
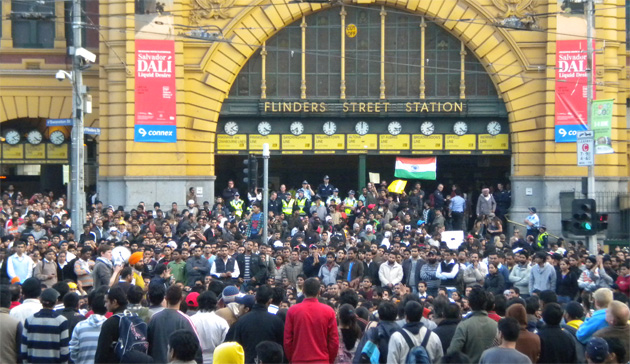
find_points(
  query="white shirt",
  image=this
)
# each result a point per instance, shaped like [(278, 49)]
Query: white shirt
[(28, 308), (211, 330), (24, 259)]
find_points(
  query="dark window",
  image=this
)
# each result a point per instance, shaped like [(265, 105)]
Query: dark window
[(33, 23)]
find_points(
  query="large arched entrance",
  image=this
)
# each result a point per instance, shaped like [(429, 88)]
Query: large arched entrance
[(348, 88)]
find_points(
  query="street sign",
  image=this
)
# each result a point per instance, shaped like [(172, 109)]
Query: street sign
[(585, 148), (92, 131), (58, 122)]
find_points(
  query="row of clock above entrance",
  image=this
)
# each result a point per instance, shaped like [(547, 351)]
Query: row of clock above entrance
[(34, 137), (363, 127)]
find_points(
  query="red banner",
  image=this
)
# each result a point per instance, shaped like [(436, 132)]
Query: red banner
[(155, 82), (571, 80)]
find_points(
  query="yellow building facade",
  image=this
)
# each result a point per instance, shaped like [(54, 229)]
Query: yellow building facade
[(519, 61)]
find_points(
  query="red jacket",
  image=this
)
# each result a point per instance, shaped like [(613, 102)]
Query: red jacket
[(624, 284), (310, 332)]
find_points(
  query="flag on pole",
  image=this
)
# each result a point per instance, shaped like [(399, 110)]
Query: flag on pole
[(397, 186), (416, 168)]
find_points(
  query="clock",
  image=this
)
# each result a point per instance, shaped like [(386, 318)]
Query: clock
[(231, 128), (460, 128), (427, 128), (362, 128), (330, 128), (394, 128), (12, 136), (57, 137), (494, 128), (297, 128), (34, 137), (264, 128)]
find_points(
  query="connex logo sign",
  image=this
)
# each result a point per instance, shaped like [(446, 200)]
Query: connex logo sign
[(156, 133), (568, 133)]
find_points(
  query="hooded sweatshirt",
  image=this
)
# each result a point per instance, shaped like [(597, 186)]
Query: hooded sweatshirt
[(85, 339)]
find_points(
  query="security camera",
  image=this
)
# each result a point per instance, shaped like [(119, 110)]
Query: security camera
[(62, 75), (85, 54)]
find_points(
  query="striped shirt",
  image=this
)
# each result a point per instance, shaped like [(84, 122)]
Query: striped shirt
[(45, 338), (85, 339)]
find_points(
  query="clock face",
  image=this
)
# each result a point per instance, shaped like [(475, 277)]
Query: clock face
[(494, 128), (231, 128), (34, 137), (394, 128), (362, 128), (12, 136), (427, 128), (57, 137), (264, 128), (460, 128), (297, 128), (330, 128)]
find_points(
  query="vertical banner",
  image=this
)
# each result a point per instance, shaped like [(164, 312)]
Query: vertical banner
[(601, 122), (571, 82), (571, 67), (155, 91), (155, 102)]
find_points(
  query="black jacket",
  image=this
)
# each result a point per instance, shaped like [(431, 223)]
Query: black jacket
[(372, 272), (553, 337), (257, 268), (494, 283), (407, 270), (567, 286), (357, 270), (107, 340), (311, 268), (445, 331), (255, 327)]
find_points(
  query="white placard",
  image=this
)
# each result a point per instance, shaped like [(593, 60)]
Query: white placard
[(453, 238), (585, 148)]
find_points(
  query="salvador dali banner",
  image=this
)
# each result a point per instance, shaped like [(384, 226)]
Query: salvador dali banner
[(155, 90)]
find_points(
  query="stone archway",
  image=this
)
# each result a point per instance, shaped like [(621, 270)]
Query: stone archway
[(496, 49)]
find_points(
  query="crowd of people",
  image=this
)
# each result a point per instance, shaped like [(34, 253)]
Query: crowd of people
[(365, 278)]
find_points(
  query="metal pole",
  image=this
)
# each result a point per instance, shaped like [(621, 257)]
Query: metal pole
[(77, 168), (590, 23), (265, 192)]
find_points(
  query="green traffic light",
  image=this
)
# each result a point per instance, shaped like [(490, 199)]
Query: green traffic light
[(587, 226)]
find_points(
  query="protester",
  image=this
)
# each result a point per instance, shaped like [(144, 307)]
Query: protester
[(85, 336), (10, 330), (398, 234), (183, 346), (509, 330), (552, 337), (413, 334), (310, 333), (45, 336)]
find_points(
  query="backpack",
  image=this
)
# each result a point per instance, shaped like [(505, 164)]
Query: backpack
[(132, 335), (417, 354), (68, 270), (375, 349)]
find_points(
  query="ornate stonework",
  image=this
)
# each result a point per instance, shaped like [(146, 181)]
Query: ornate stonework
[(207, 9), (517, 12)]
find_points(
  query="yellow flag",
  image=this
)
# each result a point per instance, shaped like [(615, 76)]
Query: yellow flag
[(397, 186)]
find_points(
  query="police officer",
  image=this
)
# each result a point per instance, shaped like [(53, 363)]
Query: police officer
[(335, 197), (287, 205), (236, 205), (542, 239), (302, 203), (350, 202), (325, 189), (308, 192)]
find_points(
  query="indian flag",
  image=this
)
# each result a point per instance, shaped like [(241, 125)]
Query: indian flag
[(416, 168)]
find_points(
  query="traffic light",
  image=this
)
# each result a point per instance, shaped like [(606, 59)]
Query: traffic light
[(251, 172), (583, 217), (602, 223)]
